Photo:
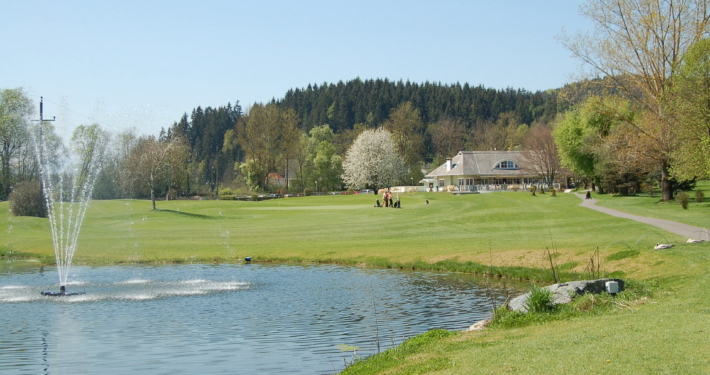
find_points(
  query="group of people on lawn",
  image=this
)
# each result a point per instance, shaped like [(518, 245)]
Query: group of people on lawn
[(387, 200)]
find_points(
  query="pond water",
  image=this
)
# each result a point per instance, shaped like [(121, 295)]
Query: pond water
[(223, 319)]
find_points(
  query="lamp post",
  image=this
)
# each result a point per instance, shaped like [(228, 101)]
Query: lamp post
[(316, 187)]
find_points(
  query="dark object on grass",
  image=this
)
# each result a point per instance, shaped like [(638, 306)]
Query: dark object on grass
[(589, 195), (427, 201), (247, 259), (377, 203), (62, 292)]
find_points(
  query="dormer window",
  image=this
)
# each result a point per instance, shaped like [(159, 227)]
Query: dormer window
[(506, 164)]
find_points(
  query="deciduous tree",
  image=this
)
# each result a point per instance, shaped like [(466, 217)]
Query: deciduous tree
[(268, 135), (580, 135), (448, 137), (15, 110), (158, 165), (407, 129), (690, 105), (373, 160), (640, 45), (540, 153)]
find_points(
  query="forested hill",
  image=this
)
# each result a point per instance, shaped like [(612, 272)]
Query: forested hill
[(343, 105), (439, 120)]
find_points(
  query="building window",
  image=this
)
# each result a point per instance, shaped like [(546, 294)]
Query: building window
[(441, 183), (506, 164), (460, 181), (469, 181)]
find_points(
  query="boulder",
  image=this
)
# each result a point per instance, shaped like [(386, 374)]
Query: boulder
[(480, 325), (563, 292)]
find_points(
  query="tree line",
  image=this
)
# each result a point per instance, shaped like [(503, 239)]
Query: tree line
[(641, 117)]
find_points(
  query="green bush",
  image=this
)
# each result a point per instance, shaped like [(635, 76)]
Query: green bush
[(226, 191), (540, 300), (27, 199), (254, 197), (307, 192), (351, 190), (683, 198), (699, 196)]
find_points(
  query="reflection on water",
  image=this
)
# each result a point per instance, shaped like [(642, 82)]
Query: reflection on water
[(232, 319)]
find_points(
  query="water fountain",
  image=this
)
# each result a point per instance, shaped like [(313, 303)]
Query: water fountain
[(67, 184)]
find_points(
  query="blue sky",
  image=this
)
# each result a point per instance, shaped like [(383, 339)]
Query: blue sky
[(144, 63)]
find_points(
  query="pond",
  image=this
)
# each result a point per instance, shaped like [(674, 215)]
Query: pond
[(224, 319)]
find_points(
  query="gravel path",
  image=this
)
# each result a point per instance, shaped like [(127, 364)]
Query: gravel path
[(685, 230)]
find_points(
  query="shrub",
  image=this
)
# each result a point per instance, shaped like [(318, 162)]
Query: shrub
[(307, 192), (532, 189), (553, 192), (351, 190), (683, 198), (27, 200), (540, 300), (254, 197), (648, 189), (226, 191), (699, 196)]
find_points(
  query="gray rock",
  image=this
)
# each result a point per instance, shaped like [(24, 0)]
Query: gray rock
[(563, 292), (480, 325)]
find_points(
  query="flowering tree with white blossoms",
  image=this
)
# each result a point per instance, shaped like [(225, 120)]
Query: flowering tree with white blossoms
[(373, 160)]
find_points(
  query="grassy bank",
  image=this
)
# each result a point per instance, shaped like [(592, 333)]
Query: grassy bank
[(500, 233), (657, 332)]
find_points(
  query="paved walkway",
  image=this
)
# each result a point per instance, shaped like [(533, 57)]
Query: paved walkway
[(687, 231)]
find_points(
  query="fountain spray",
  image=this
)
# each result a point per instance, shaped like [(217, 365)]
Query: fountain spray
[(67, 192)]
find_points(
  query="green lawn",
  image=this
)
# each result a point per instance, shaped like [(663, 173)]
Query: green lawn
[(511, 229), (667, 333), (642, 204)]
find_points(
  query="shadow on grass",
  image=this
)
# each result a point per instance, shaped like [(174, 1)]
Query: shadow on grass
[(189, 214)]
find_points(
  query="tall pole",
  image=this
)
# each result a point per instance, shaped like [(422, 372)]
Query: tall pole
[(41, 132)]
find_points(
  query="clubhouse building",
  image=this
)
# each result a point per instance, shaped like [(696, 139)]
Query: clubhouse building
[(483, 171)]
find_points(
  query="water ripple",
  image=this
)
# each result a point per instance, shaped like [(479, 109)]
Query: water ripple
[(234, 319)]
